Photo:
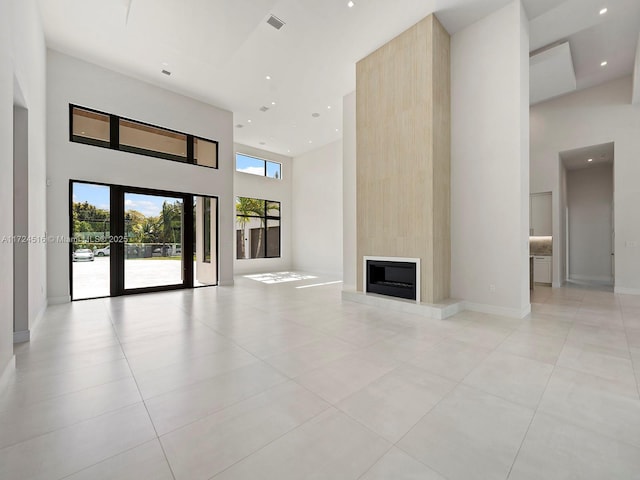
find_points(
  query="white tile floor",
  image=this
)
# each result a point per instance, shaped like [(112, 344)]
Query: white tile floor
[(264, 381)]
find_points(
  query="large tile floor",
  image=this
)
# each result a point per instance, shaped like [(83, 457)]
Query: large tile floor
[(274, 382)]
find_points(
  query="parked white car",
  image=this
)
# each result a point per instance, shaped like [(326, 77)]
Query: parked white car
[(83, 255), (102, 252)]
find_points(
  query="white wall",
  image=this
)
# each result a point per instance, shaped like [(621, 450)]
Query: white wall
[(594, 116), (563, 247), (279, 190), (22, 82), (6, 191), (30, 75), (490, 163), (590, 198), (317, 210), (349, 223), (74, 81)]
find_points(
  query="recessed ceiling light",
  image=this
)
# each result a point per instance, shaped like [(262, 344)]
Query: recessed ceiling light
[(288, 151), (248, 121), (328, 107), (273, 103), (603, 64), (350, 4), (590, 160), (337, 130), (310, 141), (603, 11), (268, 77)]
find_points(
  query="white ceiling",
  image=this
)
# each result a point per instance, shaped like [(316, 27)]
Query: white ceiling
[(551, 73), (220, 51), (579, 158), (593, 38)]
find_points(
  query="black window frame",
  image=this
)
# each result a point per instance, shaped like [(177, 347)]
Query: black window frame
[(265, 225), (265, 160), (117, 230), (114, 139)]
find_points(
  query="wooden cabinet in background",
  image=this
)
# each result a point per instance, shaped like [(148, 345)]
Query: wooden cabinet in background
[(542, 269), (540, 214)]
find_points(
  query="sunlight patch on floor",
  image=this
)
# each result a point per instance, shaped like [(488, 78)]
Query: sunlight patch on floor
[(279, 277)]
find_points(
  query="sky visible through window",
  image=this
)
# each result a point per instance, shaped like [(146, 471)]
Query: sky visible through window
[(255, 166), (98, 196), (249, 164)]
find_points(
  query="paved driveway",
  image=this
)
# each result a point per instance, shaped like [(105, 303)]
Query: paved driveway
[(91, 279)]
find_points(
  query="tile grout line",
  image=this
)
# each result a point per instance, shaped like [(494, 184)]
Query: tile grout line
[(535, 410), (386, 452), (535, 413), (164, 453), (329, 406), (633, 367), (459, 383)]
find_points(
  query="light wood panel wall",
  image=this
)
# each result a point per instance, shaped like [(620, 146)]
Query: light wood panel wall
[(403, 154)]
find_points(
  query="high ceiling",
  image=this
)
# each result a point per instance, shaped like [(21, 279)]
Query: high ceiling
[(222, 51)]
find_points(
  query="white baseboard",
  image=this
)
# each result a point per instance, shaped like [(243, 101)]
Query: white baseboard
[(59, 300), (43, 309), (496, 310), (589, 278), (8, 373), (22, 336), (225, 283), (438, 311), (627, 291)]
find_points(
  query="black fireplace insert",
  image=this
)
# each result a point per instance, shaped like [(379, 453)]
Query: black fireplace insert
[(396, 279)]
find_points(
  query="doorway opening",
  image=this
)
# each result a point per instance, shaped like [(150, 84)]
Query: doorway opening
[(134, 240), (588, 216)]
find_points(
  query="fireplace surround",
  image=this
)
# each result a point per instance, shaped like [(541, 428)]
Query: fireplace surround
[(392, 276)]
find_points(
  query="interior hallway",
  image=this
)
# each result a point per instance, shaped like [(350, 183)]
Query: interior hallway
[(275, 382)]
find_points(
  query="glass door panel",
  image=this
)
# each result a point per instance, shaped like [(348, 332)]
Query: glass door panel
[(90, 250), (205, 271), (153, 253)]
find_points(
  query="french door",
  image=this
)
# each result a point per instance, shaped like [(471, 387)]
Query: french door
[(134, 240)]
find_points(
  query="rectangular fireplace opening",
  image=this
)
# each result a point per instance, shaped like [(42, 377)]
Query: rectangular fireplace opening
[(396, 279)]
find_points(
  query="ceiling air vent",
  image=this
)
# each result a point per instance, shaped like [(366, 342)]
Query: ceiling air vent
[(166, 72), (264, 109), (275, 22)]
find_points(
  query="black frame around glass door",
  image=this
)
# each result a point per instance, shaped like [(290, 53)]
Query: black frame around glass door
[(186, 242), (118, 237)]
